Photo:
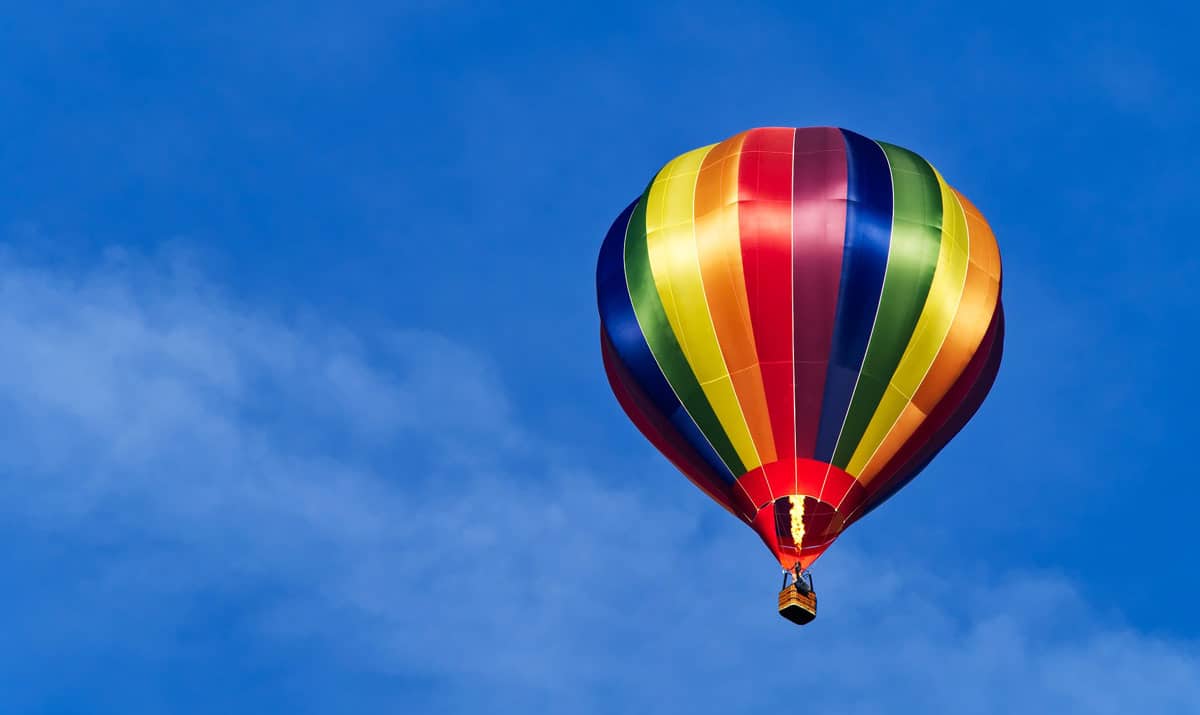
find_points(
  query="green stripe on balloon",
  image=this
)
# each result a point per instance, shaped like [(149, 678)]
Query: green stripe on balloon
[(916, 241)]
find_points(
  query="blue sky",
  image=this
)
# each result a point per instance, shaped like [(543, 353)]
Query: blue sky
[(303, 404)]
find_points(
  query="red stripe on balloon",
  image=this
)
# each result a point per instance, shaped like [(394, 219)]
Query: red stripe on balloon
[(765, 229), (818, 239)]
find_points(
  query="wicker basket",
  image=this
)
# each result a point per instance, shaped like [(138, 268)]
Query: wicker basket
[(797, 606)]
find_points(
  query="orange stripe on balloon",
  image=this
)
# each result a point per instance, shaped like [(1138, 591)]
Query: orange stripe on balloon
[(719, 250)]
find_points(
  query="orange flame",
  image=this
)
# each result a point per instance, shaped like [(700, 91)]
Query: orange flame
[(797, 514)]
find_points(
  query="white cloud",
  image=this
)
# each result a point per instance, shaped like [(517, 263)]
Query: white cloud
[(383, 493)]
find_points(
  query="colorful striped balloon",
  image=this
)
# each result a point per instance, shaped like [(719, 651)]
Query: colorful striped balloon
[(800, 320)]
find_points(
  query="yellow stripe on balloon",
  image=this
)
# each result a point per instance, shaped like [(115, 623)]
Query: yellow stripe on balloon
[(980, 295), (675, 263), (719, 249), (941, 305), (682, 169), (975, 311)]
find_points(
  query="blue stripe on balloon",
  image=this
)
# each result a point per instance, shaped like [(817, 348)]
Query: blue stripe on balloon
[(621, 326), (864, 263)]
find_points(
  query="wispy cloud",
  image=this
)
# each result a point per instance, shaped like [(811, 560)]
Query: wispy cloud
[(379, 499)]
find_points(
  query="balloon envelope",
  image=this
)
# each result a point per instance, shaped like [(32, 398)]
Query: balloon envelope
[(800, 319)]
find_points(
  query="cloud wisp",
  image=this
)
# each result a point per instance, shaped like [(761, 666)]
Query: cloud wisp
[(383, 507)]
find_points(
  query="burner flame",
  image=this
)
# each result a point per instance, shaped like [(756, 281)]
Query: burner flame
[(797, 514)]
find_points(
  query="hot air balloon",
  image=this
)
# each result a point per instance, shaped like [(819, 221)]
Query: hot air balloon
[(800, 320)]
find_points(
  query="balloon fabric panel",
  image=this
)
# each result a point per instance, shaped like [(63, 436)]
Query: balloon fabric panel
[(941, 305), (658, 430), (864, 264), (912, 257), (821, 211), (675, 266), (625, 333), (981, 290), (665, 348), (764, 226), (945, 422), (717, 209)]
